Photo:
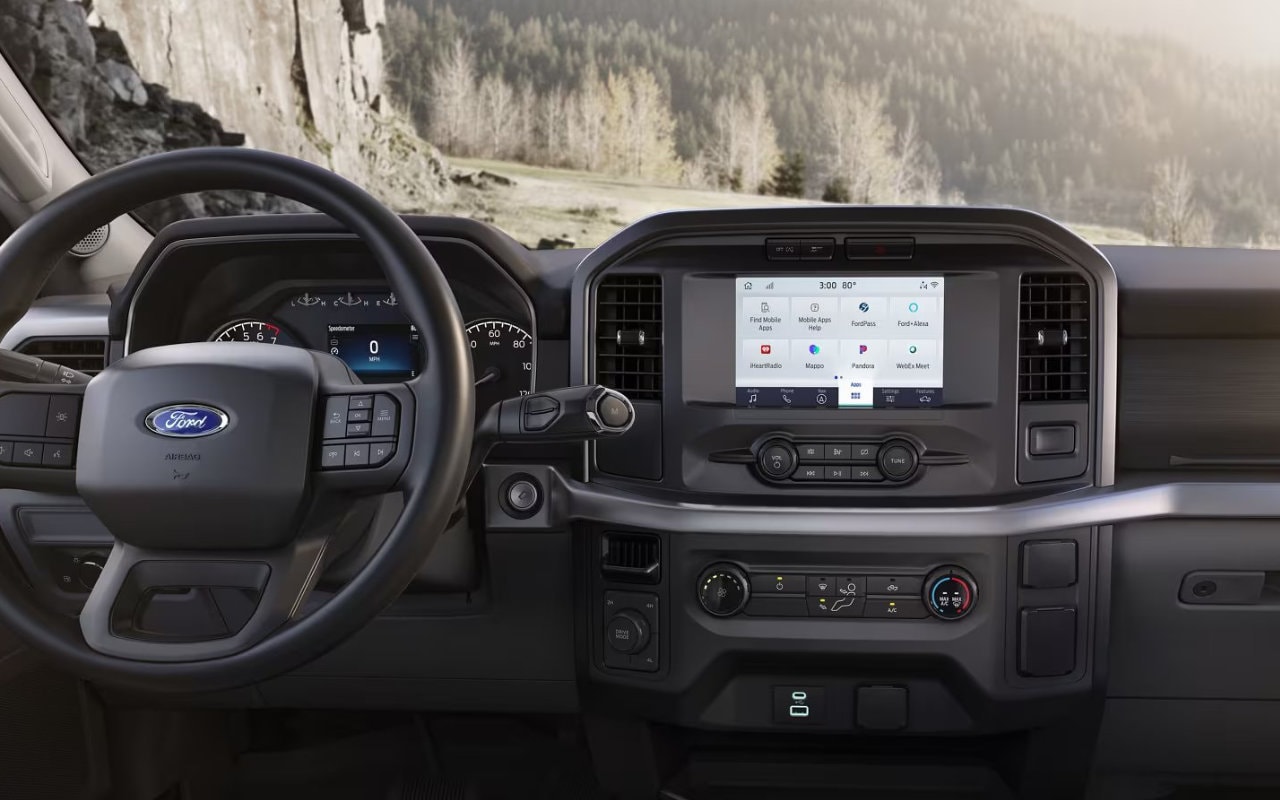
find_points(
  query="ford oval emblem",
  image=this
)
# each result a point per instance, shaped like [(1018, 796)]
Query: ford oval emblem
[(186, 420)]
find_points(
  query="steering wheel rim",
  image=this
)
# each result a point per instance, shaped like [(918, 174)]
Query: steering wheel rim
[(442, 425)]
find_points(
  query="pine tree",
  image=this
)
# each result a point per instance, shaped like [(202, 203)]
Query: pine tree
[(789, 176)]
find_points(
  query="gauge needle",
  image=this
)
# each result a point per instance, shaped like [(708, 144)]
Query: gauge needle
[(490, 375)]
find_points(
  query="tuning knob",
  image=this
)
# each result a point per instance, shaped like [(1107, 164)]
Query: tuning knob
[(723, 590)]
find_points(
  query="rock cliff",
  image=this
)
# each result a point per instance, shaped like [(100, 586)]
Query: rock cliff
[(302, 77)]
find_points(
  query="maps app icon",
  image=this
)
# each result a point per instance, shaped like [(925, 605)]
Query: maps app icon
[(864, 307)]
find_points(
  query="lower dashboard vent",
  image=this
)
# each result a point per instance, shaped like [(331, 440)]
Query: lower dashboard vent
[(84, 355), (635, 557), (629, 335), (1053, 338)]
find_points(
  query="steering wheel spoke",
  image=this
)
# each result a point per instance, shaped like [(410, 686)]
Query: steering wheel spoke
[(38, 429), (176, 605)]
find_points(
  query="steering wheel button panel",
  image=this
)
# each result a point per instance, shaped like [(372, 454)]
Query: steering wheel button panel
[(359, 417)]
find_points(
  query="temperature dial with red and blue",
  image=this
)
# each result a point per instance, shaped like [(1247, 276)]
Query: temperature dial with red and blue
[(950, 593)]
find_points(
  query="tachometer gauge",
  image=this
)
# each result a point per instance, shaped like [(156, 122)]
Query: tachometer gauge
[(503, 357), (252, 330)]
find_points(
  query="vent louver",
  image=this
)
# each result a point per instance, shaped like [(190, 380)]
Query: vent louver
[(629, 335), (1053, 338), (85, 355), (633, 557)]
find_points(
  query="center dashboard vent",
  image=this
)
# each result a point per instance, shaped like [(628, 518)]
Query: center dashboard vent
[(629, 335), (635, 557), (87, 355), (1053, 338)]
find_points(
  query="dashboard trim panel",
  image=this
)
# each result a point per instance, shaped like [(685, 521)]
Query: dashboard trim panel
[(575, 501)]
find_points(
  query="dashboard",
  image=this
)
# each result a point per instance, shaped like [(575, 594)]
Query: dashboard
[(911, 481)]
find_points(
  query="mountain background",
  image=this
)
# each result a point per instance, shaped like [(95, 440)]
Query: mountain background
[(1014, 105)]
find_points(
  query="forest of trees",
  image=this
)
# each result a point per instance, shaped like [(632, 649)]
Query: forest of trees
[(980, 101)]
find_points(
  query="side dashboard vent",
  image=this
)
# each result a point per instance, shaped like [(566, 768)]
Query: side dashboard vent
[(1053, 338), (85, 355), (635, 557), (629, 335)]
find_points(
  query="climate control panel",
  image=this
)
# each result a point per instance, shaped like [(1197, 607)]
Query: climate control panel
[(946, 593)]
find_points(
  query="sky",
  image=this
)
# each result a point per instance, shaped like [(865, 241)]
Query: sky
[(1243, 31)]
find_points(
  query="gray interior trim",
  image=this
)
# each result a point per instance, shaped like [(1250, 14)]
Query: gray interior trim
[(79, 316), (581, 502)]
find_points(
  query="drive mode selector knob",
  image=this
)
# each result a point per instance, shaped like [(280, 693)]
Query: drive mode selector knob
[(777, 459), (627, 632), (723, 590), (950, 593)]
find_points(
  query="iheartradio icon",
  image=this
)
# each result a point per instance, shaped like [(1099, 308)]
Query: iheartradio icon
[(766, 349)]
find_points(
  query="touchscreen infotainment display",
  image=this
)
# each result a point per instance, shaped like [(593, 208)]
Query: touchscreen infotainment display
[(839, 342)]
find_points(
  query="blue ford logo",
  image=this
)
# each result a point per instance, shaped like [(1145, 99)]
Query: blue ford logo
[(187, 420)]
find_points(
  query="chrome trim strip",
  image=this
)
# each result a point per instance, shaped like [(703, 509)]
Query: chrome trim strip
[(580, 502)]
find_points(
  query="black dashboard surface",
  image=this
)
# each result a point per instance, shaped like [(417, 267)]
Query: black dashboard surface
[(522, 607)]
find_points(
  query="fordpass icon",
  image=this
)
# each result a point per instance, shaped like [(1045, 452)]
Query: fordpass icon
[(186, 420)]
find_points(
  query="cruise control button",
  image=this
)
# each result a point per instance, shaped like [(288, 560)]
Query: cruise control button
[(357, 455), (64, 413), (380, 453), (58, 455), (331, 456), (894, 585), (384, 416), (28, 453), (895, 608), (357, 429), (848, 606), (335, 417)]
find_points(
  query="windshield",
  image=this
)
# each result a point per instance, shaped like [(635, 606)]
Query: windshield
[(561, 121)]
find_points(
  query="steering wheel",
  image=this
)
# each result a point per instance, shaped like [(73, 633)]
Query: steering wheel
[(209, 463)]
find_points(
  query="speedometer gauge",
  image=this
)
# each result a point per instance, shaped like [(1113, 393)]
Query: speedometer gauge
[(252, 330), (503, 356)]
